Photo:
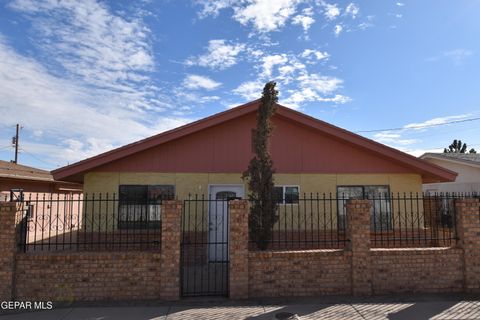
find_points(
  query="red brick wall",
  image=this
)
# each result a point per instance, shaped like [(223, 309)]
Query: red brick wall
[(299, 273), (417, 270), (88, 276), (170, 256), (7, 248), (468, 226), (238, 249)]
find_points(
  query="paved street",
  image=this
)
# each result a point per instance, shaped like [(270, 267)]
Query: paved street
[(433, 307)]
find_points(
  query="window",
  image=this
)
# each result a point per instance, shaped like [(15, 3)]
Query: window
[(29, 210), (381, 216), (286, 194), (139, 205), (225, 195)]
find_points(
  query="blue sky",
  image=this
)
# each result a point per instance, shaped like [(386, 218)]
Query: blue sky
[(83, 77)]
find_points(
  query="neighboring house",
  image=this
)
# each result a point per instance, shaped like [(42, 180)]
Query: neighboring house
[(208, 157), (32, 181), (41, 194), (467, 165)]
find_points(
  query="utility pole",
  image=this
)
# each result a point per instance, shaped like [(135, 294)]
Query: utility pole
[(15, 142)]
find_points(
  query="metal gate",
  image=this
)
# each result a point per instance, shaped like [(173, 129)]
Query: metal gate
[(204, 246)]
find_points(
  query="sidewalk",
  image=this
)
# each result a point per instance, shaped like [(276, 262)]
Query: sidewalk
[(418, 307)]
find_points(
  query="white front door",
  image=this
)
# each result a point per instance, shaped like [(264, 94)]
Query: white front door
[(218, 219)]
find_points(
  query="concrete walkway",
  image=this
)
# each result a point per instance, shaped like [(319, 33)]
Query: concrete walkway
[(423, 307)]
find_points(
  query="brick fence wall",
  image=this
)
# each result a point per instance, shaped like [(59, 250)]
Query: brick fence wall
[(357, 269), (361, 270), (88, 276), (417, 270), (7, 249), (299, 273)]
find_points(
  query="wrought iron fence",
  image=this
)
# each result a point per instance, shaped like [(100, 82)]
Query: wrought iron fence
[(397, 220), (414, 219), (314, 221), (204, 245), (55, 222), (76, 222)]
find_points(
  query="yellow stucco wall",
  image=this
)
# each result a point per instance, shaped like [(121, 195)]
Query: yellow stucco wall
[(197, 183)]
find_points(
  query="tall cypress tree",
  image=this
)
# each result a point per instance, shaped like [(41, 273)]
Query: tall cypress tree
[(263, 211)]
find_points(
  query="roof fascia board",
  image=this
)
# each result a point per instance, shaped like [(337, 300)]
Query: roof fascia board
[(153, 141), (371, 145), (216, 119), (452, 160)]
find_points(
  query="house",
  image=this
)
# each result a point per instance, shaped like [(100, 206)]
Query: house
[(201, 157), (31, 181), (207, 157), (38, 193), (467, 165)]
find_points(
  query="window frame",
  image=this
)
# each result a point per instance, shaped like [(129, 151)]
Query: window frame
[(363, 189), (144, 207), (389, 204), (284, 186)]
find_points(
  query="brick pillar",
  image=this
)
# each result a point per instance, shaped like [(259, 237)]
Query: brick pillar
[(170, 255), (468, 231), (8, 249), (238, 249), (358, 231)]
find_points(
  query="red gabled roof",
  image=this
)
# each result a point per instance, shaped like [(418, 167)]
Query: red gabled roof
[(429, 171)]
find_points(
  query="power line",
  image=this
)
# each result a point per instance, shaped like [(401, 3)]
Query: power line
[(35, 157), (431, 148), (419, 127)]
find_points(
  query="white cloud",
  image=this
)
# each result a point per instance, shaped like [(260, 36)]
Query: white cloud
[(394, 138), (213, 7), (282, 67), (305, 19), (297, 97), (314, 87), (400, 4), (221, 54), (66, 110), (331, 11), (434, 122), (194, 81), (457, 56), (255, 52), (265, 15), (233, 105), (365, 25), (419, 152), (94, 45), (337, 30), (250, 90), (316, 54), (337, 99), (352, 10), (288, 72), (400, 137), (319, 83), (270, 61)]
